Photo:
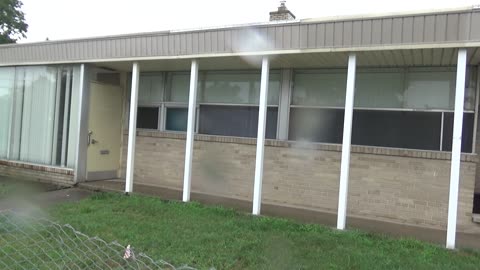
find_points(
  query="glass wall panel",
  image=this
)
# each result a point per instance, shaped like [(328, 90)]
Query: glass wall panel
[(43, 111), (38, 114), (320, 89), (7, 82)]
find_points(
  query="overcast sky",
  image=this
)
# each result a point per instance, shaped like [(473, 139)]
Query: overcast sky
[(66, 19)]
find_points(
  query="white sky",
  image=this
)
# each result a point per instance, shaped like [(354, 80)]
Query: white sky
[(65, 19)]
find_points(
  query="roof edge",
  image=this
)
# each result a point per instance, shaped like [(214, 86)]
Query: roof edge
[(392, 14)]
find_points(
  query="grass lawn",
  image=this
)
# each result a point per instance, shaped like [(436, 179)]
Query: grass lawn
[(203, 237)]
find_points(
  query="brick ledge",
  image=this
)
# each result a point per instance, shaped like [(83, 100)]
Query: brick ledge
[(373, 150), (36, 167)]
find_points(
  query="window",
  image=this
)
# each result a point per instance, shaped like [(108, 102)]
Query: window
[(176, 119), (38, 110), (399, 129), (240, 121), (229, 104), (147, 117), (400, 108), (7, 84), (316, 125), (177, 102)]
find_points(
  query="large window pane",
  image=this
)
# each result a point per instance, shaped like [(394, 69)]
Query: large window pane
[(413, 130), (316, 125), (427, 89), (178, 88), (379, 89), (150, 88), (430, 90), (147, 117), (7, 80), (176, 119), (239, 121), (237, 88), (38, 114), (320, 89), (467, 132), (42, 109)]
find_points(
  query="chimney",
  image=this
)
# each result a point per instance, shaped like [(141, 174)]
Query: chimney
[(282, 14)]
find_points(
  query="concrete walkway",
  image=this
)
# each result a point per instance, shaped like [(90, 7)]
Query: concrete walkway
[(35, 196), (436, 236)]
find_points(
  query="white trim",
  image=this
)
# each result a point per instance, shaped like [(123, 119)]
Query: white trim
[(56, 116), (192, 100), (284, 103), (262, 121), (442, 119), (132, 128), (66, 116), (82, 128), (475, 118), (347, 135), (456, 148)]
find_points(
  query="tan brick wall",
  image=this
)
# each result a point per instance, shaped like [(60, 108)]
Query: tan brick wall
[(37, 173), (402, 189)]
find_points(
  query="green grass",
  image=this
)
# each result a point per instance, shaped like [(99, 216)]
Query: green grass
[(205, 237)]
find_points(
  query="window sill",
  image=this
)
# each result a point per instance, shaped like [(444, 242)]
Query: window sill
[(374, 150), (36, 167)]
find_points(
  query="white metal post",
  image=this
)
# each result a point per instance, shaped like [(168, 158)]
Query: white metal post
[(262, 121), (456, 148), (347, 135), (192, 101), (132, 128)]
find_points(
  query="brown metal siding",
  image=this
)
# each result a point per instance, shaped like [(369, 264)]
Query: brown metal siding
[(459, 26)]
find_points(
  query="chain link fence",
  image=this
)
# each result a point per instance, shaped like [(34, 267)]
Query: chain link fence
[(28, 242)]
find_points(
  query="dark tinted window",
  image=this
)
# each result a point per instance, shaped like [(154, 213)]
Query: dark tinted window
[(316, 125), (240, 121), (414, 130), (176, 119), (147, 117), (467, 134)]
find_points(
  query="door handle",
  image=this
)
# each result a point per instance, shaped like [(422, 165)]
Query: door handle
[(89, 137)]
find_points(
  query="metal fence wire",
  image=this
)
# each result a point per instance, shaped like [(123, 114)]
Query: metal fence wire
[(28, 242)]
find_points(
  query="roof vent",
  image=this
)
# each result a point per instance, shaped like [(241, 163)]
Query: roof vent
[(282, 14)]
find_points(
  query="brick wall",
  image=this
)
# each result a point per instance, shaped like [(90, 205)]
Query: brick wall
[(61, 176), (410, 187)]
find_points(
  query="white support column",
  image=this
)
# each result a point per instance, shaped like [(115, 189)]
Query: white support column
[(132, 128), (192, 101), (262, 121), (347, 135), (456, 148)]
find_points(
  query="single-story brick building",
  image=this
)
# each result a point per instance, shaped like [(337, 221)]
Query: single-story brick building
[(373, 116)]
